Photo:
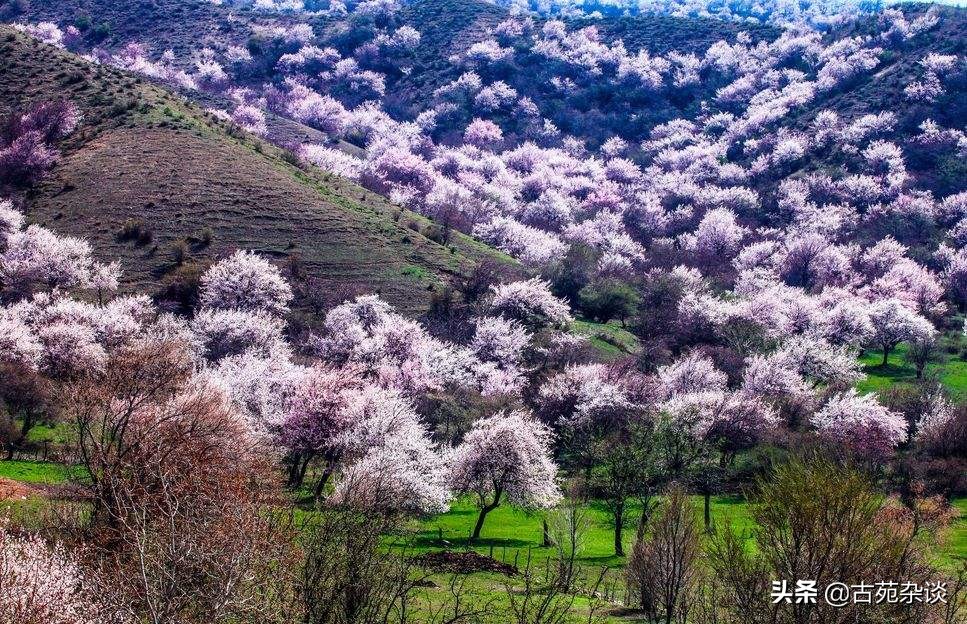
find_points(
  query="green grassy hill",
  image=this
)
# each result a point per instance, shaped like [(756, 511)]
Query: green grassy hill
[(146, 155)]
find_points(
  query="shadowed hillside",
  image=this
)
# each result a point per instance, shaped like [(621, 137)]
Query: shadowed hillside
[(146, 157), (111, 23), (451, 26), (883, 90)]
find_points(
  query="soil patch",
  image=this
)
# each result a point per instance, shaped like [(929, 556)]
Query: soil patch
[(464, 562), (11, 490)]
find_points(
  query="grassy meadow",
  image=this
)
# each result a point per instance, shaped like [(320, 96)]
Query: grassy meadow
[(951, 371), (510, 532)]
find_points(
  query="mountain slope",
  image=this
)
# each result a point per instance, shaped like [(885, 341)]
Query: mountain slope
[(449, 27), (883, 91), (145, 156), (179, 25)]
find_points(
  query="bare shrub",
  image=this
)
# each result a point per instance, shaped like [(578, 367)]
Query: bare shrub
[(182, 528), (818, 520), (567, 528), (663, 568), (351, 577)]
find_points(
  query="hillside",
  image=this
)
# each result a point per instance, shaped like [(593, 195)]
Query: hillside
[(450, 27), (145, 155), (482, 311), (882, 90), (110, 24)]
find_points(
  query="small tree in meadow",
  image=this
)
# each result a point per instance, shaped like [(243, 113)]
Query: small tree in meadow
[(895, 323), (507, 454)]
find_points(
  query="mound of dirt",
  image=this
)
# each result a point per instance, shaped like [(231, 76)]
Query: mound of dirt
[(464, 562), (13, 489)]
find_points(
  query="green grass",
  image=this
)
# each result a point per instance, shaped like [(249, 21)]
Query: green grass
[(952, 372), (610, 339), (510, 532), (954, 550), (511, 535), (35, 472), (61, 433)]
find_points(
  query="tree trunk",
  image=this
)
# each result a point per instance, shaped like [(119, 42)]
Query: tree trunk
[(486, 509), (28, 424), (294, 466), (547, 533), (708, 510), (886, 356), (301, 476), (619, 512), (321, 485), (643, 519)]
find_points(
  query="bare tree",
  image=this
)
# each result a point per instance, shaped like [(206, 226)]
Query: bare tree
[(663, 568), (922, 352), (567, 527), (351, 577), (821, 521), (180, 529), (537, 603)]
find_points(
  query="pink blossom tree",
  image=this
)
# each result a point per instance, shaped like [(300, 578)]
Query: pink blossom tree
[(501, 341), (222, 333), (861, 423), (250, 118), (583, 395), (848, 323), (19, 344), (506, 454), (36, 258), (689, 374), (718, 236), (319, 417), (820, 362), (483, 133), (772, 376)]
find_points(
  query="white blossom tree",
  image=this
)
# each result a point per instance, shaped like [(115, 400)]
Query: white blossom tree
[(531, 302), (45, 584), (245, 281), (506, 455), (860, 422), (391, 461), (893, 323)]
